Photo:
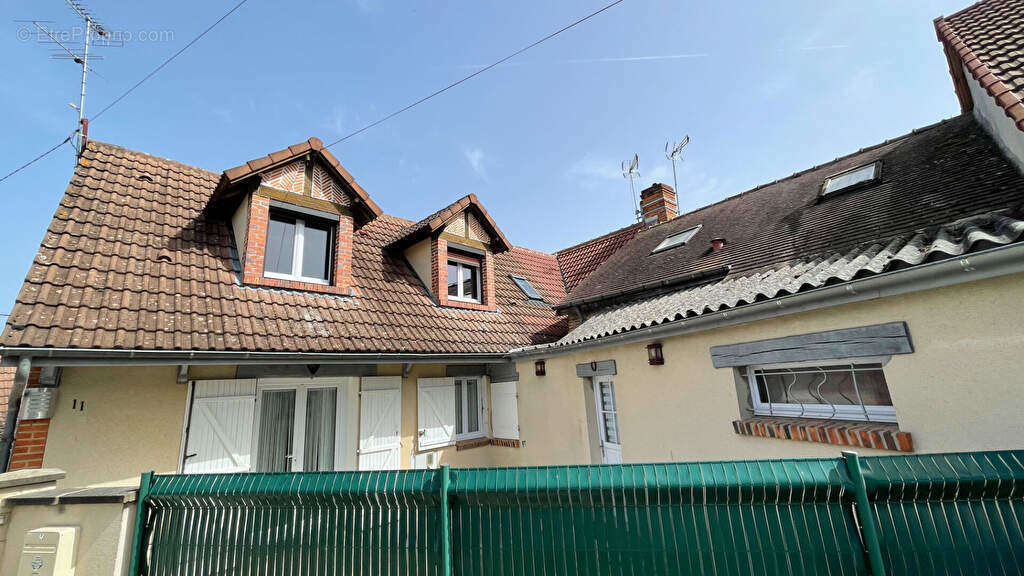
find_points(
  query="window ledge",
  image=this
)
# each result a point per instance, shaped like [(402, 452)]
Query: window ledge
[(472, 443), (506, 442), (877, 435)]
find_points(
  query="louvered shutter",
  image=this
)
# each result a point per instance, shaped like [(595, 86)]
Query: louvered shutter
[(435, 412), (505, 410), (220, 427)]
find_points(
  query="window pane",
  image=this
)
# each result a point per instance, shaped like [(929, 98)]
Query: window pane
[(527, 288), (277, 425), (316, 250), (321, 414), (469, 278), (677, 239), (824, 385), (453, 279), (280, 244), (850, 178), (472, 407), (458, 407)]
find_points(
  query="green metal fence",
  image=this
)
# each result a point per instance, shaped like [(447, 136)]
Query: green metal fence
[(933, 514)]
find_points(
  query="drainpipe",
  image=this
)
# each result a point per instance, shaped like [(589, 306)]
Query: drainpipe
[(13, 407)]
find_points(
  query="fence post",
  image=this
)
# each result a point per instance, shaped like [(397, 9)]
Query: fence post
[(867, 516), (140, 519), (446, 523)]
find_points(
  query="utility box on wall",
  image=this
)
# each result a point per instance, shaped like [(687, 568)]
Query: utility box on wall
[(48, 552)]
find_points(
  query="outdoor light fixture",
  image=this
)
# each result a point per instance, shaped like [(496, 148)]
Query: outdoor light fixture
[(717, 244), (654, 357), (538, 367)]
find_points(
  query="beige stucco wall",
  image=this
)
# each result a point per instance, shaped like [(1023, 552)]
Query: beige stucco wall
[(418, 256), (131, 423), (960, 390), (101, 528)]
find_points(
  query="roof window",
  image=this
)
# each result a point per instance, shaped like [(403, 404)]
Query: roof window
[(527, 288), (859, 176), (678, 239)]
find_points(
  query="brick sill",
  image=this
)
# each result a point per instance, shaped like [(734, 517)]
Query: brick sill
[(506, 442), (839, 432), (472, 443)]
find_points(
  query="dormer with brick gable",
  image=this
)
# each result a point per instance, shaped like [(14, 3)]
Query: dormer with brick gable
[(293, 213), (452, 252)]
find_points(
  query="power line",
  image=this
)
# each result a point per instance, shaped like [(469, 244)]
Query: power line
[(169, 60), (473, 75), (36, 159), (132, 89)]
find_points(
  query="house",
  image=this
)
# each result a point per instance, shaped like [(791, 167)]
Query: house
[(273, 317)]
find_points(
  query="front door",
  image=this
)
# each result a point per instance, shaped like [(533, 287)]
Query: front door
[(380, 423), (607, 420)]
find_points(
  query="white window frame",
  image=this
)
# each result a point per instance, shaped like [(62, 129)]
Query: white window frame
[(297, 249), (677, 239), (861, 413), (301, 388), (460, 384), (460, 267)]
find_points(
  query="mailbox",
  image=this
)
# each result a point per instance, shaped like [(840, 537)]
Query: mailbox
[(48, 552)]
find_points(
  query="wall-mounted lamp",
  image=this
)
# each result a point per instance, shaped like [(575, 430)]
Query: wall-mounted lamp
[(654, 357), (717, 244), (538, 368)]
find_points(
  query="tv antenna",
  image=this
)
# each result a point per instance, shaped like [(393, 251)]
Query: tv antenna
[(69, 51), (675, 152), (631, 171)]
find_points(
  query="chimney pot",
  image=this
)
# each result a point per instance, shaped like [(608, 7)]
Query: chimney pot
[(658, 203)]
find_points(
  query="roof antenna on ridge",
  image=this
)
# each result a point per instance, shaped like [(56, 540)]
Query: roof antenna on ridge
[(69, 50), (631, 172), (675, 152)]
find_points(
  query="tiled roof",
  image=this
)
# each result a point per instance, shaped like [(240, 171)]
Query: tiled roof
[(934, 175), (314, 145), (988, 38), (97, 281), (577, 262), (899, 251), (439, 219)]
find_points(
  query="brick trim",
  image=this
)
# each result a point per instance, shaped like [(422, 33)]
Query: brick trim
[(506, 442), (473, 443), (256, 246), (839, 432), (29, 444)]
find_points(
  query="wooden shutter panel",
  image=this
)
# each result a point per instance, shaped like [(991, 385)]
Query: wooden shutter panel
[(220, 427), (380, 423), (435, 412), (505, 410)]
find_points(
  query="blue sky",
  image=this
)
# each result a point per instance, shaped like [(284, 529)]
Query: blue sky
[(763, 89)]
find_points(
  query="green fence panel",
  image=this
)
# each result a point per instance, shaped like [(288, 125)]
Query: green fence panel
[(756, 517), (313, 523), (949, 513)]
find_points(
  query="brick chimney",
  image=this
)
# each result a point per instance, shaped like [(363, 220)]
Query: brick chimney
[(658, 204)]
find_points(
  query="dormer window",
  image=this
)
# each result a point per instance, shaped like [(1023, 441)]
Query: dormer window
[(679, 239), (857, 177), (464, 281), (299, 248)]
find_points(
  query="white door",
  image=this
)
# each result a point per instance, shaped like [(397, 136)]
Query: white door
[(301, 424), (435, 412), (607, 420), (219, 433), (380, 423)]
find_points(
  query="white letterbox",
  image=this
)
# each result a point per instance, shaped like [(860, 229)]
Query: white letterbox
[(48, 552)]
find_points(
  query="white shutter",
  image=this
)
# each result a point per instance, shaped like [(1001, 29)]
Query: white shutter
[(435, 412), (220, 426), (380, 423), (505, 410)]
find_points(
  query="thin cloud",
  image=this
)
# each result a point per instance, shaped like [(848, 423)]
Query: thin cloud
[(475, 157)]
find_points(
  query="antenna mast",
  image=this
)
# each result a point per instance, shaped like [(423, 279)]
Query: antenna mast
[(675, 152), (631, 171), (91, 27)]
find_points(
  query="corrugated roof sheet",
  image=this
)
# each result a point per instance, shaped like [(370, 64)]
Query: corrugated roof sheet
[(905, 250)]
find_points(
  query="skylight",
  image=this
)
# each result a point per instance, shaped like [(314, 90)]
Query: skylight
[(850, 178), (674, 240), (527, 288)]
